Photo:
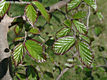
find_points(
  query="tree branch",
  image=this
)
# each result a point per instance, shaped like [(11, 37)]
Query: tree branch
[(3, 36), (52, 8), (3, 45), (95, 3), (58, 5), (65, 70)]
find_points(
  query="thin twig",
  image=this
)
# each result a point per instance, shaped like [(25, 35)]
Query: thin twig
[(88, 17), (95, 3), (58, 5), (17, 2), (25, 36), (65, 70)]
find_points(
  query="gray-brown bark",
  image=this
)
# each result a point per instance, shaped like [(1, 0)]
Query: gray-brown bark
[(4, 71)]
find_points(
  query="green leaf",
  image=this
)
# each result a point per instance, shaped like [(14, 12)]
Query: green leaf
[(85, 54), (34, 31), (42, 10), (48, 75), (18, 39), (100, 16), (15, 78), (80, 26), (91, 3), (63, 44), (85, 38), (31, 14), (18, 20), (16, 10), (17, 29), (34, 49), (67, 65), (67, 23), (20, 76), (29, 61), (97, 31), (70, 60), (73, 4), (63, 32), (18, 53), (31, 73), (3, 8), (79, 14)]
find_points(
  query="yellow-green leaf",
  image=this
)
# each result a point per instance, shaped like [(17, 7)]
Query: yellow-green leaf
[(3, 8), (67, 23), (34, 49), (91, 3), (31, 14), (42, 10), (34, 31), (79, 14), (73, 4)]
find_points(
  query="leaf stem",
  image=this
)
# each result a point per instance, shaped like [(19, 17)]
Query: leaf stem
[(26, 34)]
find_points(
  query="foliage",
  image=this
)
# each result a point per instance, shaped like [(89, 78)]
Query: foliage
[(41, 35)]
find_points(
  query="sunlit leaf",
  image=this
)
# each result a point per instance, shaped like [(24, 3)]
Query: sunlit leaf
[(100, 16), (80, 26), (63, 44), (85, 38), (3, 8), (91, 3), (67, 65), (73, 4), (17, 29), (67, 23), (85, 53), (63, 32), (20, 76), (34, 49), (18, 38), (42, 10), (70, 60), (31, 14), (34, 31), (18, 53)]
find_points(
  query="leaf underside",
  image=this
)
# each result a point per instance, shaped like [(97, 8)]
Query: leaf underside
[(85, 54), (63, 32), (63, 44), (3, 8), (91, 3), (80, 26), (73, 4), (18, 53)]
